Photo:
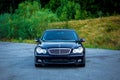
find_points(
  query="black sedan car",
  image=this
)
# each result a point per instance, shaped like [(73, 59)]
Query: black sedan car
[(59, 46)]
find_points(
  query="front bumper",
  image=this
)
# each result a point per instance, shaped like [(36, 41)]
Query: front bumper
[(59, 59)]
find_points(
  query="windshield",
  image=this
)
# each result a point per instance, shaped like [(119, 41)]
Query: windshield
[(60, 35)]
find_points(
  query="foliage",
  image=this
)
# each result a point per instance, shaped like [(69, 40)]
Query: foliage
[(66, 9), (71, 10), (28, 22), (83, 9)]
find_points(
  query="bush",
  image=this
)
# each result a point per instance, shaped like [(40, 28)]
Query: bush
[(29, 21)]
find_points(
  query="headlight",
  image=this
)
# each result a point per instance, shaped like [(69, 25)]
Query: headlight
[(40, 50), (78, 50)]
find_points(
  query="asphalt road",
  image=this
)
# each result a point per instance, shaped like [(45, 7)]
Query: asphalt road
[(17, 63)]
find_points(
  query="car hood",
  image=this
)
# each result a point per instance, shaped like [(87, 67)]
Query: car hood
[(59, 45)]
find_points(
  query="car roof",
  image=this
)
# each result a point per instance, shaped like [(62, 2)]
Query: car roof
[(60, 30)]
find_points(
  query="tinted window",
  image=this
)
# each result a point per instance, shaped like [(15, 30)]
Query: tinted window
[(59, 35)]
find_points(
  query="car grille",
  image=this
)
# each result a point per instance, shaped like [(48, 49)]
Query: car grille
[(59, 51)]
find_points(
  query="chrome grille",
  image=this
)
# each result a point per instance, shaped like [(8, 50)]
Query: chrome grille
[(59, 51)]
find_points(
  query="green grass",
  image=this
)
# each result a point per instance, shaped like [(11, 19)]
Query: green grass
[(99, 32)]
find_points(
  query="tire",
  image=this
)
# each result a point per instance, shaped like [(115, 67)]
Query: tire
[(35, 62), (37, 65), (84, 62), (81, 64)]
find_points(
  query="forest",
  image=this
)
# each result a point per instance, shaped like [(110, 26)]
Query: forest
[(69, 9)]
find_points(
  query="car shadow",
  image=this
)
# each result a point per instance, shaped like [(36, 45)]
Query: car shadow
[(59, 66)]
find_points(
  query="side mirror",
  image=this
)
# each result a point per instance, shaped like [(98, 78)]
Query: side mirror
[(38, 40), (82, 40)]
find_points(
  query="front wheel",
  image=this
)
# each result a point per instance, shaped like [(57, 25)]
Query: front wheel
[(37, 65), (82, 64), (35, 62)]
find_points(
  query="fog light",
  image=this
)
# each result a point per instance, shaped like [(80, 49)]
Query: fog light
[(39, 60), (79, 60)]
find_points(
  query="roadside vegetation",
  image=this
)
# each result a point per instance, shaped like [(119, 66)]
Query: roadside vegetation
[(99, 32), (100, 28), (103, 32)]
